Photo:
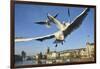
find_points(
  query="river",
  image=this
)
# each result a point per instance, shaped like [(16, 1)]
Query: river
[(28, 62)]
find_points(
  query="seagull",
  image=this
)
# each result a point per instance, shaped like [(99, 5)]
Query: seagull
[(64, 29), (47, 22)]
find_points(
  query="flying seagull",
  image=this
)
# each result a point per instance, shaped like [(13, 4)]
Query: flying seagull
[(47, 22), (64, 29)]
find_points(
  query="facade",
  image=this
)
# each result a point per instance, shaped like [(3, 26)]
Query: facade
[(37, 56), (83, 53), (90, 49), (72, 53), (52, 55)]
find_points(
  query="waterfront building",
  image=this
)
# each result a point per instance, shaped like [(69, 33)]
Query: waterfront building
[(52, 55), (90, 49), (70, 55), (86, 52)]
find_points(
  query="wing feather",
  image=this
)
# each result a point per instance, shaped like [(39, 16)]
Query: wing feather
[(36, 38), (76, 22), (42, 23)]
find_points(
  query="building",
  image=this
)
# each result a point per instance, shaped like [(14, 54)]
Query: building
[(83, 53), (52, 55), (37, 56), (90, 49), (72, 53)]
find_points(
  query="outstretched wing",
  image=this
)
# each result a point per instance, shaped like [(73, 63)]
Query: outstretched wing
[(56, 15), (76, 22), (42, 23), (36, 38)]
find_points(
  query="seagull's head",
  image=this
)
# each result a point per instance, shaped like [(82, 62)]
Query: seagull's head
[(49, 15)]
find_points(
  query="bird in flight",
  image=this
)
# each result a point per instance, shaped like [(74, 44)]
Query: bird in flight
[(47, 22), (65, 29)]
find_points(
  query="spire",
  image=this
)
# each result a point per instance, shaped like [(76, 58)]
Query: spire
[(87, 40), (48, 50)]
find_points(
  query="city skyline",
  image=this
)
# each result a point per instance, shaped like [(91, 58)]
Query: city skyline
[(26, 15)]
